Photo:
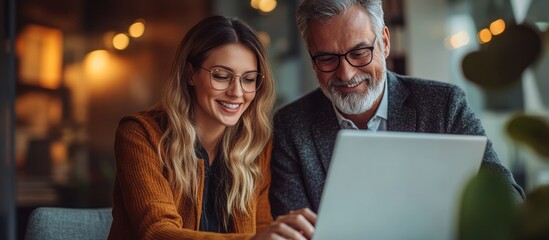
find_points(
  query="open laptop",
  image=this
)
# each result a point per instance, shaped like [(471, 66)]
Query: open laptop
[(394, 185)]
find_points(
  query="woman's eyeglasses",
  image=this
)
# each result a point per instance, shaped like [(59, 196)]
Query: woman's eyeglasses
[(221, 79)]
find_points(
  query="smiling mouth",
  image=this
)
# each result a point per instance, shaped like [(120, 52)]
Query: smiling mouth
[(354, 84), (349, 85), (231, 106)]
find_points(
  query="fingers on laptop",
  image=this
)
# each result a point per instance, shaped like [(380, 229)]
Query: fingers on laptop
[(300, 221), (280, 230), (298, 224), (307, 213)]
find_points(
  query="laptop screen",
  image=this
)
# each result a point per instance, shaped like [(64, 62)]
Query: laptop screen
[(392, 185)]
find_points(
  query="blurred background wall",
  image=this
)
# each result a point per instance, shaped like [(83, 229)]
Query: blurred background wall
[(81, 65), (7, 93)]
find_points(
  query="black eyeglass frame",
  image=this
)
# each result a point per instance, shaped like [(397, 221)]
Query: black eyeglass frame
[(371, 48), (259, 79)]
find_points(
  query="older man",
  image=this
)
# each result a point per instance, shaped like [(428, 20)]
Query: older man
[(348, 44)]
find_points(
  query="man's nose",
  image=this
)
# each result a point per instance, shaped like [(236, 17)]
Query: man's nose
[(345, 71)]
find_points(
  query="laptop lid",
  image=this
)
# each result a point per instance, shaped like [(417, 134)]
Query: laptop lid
[(394, 185)]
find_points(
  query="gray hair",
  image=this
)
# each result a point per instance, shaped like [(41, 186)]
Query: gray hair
[(324, 10)]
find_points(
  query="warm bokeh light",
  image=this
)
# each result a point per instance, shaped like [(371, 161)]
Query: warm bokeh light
[(40, 53), (59, 156), (137, 29), (459, 39), (267, 5), (58, 152), (497, 27), (484, 35), (103, 70), (120, 41), (264, 38), (255, 3), (52, 59), (96, 63)]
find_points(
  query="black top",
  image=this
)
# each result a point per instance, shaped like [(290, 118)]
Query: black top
[(211, 219)]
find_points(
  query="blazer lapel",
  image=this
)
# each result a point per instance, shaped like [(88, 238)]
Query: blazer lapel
[(401, 116), (324, 130)]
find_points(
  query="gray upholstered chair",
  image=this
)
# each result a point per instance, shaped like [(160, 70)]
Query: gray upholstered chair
[(66, 223)]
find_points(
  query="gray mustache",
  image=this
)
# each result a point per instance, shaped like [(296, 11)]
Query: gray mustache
[(356, 79)]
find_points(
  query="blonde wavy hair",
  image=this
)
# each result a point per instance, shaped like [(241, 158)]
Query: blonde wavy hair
[(241, 144)]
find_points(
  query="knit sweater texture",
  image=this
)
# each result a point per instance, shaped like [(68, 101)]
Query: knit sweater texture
[(144, 204)]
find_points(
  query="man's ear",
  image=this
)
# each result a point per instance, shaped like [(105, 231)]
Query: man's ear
[(387, 41)]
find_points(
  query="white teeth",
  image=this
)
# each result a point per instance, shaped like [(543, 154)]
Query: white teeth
[(349, 84), (229, 105), (353, 85)]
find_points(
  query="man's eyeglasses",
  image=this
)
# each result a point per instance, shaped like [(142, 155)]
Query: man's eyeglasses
[(221, 79), (358, 57)]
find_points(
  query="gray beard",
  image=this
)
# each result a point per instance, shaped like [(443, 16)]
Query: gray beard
[(355, 103)]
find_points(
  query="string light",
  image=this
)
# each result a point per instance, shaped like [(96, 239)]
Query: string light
[(484, 35), (497, 27), (120, 41), (137, 29)]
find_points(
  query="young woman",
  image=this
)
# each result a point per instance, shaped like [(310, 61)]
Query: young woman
[(197, 166)]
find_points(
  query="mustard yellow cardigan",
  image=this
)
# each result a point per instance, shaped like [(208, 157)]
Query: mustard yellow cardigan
[(144, 205)]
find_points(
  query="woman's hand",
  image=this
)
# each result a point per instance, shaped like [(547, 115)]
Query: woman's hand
[(298, 224)]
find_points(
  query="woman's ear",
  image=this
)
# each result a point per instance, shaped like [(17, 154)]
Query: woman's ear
[(191, 72)]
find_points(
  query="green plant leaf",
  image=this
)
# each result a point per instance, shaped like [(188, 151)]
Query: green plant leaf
[(500, 63), (534, 215), (488, 209), (532, 131)]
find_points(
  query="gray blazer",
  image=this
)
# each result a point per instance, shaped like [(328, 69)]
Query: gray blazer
[(305, 133)]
